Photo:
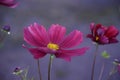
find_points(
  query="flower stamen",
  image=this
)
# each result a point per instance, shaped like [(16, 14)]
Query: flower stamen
[(97, 38), (53, 46)]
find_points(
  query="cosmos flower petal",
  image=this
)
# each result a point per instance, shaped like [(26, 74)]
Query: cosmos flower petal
[(113, 40), (73, 39), (103, 40), (30, 39), (9, 3), (35, 52), (39, 32), (75, 52), (36, 35), (42, 33), (67, 54), (111, 32), (56, 33), (96, 28), (90, 36), (63, 56)]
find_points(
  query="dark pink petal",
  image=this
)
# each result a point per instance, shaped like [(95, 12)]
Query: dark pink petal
[(96, 28), (9, 3), (35, 52), (73, 39), (75, 52), (113, 40), (39, 32), (90, 36), (30, 39), (36, 35), (100, 31), (103, 40), (67, 54), (63, 56), (111, 32), (56, 33)]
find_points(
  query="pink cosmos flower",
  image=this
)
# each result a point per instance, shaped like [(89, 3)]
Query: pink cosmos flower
[(102, 34), (8, 3), (53, 41)]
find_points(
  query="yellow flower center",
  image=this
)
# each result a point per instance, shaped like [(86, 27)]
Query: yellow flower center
[(53, 46), (97, 38)]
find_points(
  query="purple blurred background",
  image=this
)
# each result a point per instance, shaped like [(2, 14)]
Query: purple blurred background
[(74, 14)]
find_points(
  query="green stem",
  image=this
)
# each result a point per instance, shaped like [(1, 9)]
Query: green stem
[(94, 61), (21, 77), (101, 72), (49, 66), (39, 72), (111, 73)]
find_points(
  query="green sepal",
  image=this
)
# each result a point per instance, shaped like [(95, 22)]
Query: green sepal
[(52, 56)]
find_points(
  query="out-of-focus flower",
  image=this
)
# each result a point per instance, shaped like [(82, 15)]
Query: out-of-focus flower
[(53, 41), (102, 34), (17, 71), (117, 63), (9, 3), (6, 28)]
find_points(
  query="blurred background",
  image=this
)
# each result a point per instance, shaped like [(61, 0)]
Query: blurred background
[(73, 14)]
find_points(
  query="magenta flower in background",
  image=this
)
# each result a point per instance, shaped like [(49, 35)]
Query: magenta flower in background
[(54, 41), (119, 68), (9, 3), (102, 34), (17, 71), (6, 28)]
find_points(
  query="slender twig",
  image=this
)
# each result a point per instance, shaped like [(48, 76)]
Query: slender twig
[(101, 72), (40, 76), (94, 61), (49, 66), (21, 77), (111, 73)]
